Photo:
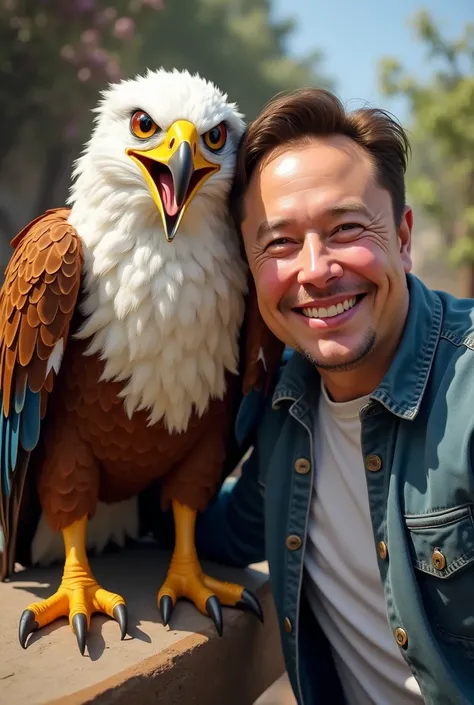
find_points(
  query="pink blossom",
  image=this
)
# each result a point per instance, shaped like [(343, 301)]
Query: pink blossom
[(67, 52), (85, 5), (84, 74), (90, 37), (106, 16), (124, 27), (113, 69), (98, 57)]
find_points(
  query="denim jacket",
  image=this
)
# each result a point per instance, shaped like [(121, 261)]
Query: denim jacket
[(417, 445)]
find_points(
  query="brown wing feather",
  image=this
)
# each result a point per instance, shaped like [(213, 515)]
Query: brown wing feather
[(37, 302), (262, 351)]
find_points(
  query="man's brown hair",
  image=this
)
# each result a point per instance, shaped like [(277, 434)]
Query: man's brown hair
[(311, 112)]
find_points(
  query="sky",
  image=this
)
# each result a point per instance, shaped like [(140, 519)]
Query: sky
[(355, 34)]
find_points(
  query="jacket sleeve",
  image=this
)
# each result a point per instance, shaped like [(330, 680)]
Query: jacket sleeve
[(231, 530)]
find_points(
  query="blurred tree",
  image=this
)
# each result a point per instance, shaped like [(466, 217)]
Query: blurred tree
[(55, 55), (441, 177), (235, 43)]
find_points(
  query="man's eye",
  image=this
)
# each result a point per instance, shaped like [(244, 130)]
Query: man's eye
[(278, 242), (349, 226)]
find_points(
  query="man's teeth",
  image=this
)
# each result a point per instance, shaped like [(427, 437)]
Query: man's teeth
[(331, 311)]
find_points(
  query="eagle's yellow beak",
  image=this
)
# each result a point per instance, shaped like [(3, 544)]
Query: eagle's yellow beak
[(174, 172)]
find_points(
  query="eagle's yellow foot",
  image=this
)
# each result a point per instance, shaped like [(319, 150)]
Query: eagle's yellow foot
[(78, 596), (186, 579)]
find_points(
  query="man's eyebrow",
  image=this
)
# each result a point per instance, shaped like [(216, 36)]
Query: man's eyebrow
[(269, 226), (344, 208)]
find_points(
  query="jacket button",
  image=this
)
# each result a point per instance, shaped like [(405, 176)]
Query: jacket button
[(288, 625), (373, 463), (438, 559), (302, 466), (401, 637), (293, 542), (383, 550)]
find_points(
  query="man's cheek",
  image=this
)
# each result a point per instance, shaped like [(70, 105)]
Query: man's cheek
[(271, 283), (364, 261)]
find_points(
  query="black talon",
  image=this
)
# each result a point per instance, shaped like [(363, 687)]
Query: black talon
[(213, 607), (121, 616), (249, 602), (166, 607), (79, 624), (27, 626)]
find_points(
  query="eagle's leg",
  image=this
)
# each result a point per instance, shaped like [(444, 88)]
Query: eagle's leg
[(78, 596), (186, 579)]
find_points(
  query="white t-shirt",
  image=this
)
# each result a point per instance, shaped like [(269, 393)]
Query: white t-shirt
[(342, 580)]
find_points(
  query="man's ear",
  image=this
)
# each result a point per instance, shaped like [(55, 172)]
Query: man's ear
[(404, 238)]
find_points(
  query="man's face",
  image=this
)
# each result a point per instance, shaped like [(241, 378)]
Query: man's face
[(329, 263)]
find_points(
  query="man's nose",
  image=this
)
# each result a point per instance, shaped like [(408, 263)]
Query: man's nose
[(317, 265)]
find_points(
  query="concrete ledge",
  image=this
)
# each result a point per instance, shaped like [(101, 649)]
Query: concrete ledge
[(186, 664)]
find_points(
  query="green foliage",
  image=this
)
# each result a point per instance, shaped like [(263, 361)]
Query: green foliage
[(441, 177), (234, 43), (55, 56)]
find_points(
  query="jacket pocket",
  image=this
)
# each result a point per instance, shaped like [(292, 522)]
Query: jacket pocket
[(442, 550)]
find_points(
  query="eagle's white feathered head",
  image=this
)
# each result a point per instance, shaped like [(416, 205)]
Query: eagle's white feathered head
[(163, 310), (163, 144)]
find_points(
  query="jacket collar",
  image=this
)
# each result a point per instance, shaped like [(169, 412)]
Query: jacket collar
[(401, 390)]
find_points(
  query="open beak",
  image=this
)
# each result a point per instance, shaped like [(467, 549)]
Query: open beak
[(174, 172)]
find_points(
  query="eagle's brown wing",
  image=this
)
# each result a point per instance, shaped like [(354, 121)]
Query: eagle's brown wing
[(37, 301), (261, 351)]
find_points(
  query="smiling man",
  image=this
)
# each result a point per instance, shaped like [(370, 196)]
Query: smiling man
[(328, 239), (359, 489)]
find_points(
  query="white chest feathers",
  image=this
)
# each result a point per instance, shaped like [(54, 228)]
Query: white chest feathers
[(164, 317)]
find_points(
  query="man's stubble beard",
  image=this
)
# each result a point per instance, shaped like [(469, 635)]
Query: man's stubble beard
[(366, 348)]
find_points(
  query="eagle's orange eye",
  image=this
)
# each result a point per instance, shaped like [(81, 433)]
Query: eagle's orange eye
[(216, 137), (142, 125)]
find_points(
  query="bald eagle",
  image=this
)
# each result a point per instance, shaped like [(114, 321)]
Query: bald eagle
[(129, 328)]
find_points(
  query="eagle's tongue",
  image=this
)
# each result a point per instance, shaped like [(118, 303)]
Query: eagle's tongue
[(167, 193)]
